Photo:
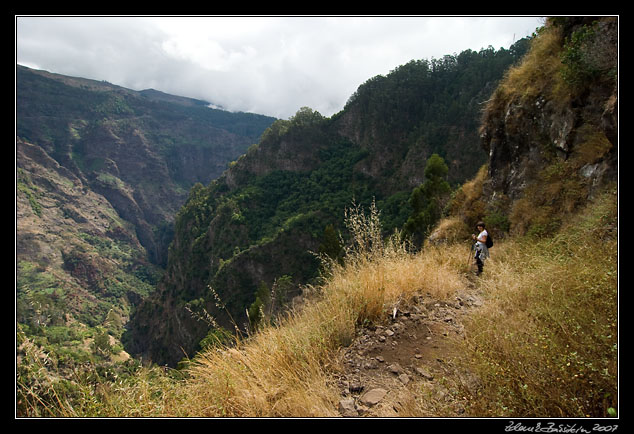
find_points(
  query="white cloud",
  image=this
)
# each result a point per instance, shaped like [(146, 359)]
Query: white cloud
[(268, 65)]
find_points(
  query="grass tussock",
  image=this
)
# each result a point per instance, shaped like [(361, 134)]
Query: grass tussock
[(89, 391), (468, 204), (539, 70)]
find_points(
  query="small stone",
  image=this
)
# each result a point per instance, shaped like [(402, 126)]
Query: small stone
[(373, 396), (404, 378), (362, 409), (372, 364), (355, 387), (347, 408), (424, 373), (395, 369)]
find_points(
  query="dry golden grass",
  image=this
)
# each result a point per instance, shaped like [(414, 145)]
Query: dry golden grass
[(539, 69), (286, 370), (545, 344), (467, 204)]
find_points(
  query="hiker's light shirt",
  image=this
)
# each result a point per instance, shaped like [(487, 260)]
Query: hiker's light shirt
[(481, 249)]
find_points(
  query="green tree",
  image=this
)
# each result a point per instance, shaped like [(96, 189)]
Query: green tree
[(306, 116), (428, 200), (330, 245), (217, 337), (589, 55), (256, 310), (101, 344), (269, 303)]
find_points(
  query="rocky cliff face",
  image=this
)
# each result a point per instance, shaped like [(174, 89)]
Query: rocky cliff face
[(551, 127), (79, 264)]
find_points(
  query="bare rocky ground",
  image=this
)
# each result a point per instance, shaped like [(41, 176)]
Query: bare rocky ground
[(403, 366)]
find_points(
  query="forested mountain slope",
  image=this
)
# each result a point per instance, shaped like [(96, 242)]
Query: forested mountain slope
[(259, 222), (140, 150)]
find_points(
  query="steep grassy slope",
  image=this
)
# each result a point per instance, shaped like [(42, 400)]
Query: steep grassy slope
[(543, 343)]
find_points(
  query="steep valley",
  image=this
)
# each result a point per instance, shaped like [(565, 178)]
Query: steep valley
[(240, 305), (100, 173)]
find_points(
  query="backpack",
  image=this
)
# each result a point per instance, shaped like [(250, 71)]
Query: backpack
[(489, 241)]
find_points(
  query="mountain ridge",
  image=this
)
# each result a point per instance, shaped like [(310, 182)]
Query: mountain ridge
[(93, 84), (101, 171), (126, 145)]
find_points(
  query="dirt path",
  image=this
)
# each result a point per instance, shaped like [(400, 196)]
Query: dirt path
[(402, 367)]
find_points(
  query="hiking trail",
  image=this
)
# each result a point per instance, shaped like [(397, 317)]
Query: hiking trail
[(405, 360)]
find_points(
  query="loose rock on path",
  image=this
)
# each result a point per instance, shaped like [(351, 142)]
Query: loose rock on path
[(402, 366)]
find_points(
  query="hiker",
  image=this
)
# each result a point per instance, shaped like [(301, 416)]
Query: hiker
[(481, 249)]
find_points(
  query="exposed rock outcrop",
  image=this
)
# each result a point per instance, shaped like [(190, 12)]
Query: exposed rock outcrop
[(544, 127)]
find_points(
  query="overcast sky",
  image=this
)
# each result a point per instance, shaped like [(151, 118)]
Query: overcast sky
[(266, 65)]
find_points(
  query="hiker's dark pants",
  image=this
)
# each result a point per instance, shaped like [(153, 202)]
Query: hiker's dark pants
[(479, 262)]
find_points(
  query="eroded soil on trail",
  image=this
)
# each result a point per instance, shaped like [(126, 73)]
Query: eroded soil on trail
[(403, 366)]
